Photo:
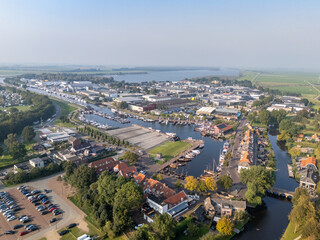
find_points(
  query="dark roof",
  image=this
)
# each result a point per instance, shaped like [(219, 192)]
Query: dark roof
[(221, 126), (159, 200), (199, 213)]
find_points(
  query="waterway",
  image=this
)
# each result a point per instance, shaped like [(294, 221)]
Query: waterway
[(173, 75), (270, 221), (203, 161)]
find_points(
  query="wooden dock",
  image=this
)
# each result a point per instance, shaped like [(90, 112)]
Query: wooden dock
[(195, 144)]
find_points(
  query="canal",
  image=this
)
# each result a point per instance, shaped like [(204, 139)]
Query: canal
[(270, 220), (202, 162)]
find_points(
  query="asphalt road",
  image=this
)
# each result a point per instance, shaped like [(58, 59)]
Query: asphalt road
[(232, 170)]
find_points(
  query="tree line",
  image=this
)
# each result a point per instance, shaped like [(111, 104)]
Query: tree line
[(109, 200), (42, 108), (96, 134), (68, 77)]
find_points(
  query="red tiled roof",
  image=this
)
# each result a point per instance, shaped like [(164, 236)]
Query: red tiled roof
[(139, 178), (103, 164), (120, 166), (309, 160), (128, 172), (157, 188), (176, 199)]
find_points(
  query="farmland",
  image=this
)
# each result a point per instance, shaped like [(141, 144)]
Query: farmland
[(286, 82)]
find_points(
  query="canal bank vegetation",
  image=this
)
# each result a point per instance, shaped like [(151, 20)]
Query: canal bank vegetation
[(304, 217), (65, 110), (258, 180)]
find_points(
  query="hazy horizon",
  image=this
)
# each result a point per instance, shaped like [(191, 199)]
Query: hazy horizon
[(235, 34)]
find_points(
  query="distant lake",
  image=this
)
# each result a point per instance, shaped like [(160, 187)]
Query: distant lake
[(173, 75)]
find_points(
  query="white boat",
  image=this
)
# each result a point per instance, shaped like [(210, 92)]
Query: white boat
[(170, 134), (197, 152)]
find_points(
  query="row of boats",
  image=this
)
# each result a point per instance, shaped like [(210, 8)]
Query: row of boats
[(128, 115), (93, 123), (107, 116), (225, 149)]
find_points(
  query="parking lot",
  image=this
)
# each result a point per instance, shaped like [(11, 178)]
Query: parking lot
[(28, 209)]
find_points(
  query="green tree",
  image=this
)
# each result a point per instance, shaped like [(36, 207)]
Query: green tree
[(131, 157), (264, 116), (302, 211), (178, 184), (28, 134), (225, 226), (140, 234), (11, 139), (258, 179), (164, 227), (225, 182), (121, 209), (83, 177), (192, 230)]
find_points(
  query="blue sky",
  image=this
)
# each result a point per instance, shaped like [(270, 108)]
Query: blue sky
[(247, 34)]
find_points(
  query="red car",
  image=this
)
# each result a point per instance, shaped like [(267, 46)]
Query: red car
[(52, 209), (23, 233)]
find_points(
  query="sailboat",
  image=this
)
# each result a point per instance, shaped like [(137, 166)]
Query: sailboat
[(211, 172)]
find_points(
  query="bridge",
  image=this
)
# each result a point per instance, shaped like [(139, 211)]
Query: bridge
[(281, 192)]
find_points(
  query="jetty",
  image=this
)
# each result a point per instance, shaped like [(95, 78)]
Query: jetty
[(195, 144)]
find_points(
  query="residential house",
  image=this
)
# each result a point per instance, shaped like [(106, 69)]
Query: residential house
[(309, 178), (209, 208), (37, 162), (315, 137), (123, 170), (222, 129), (310, 161), (106, 164), (227, 207)]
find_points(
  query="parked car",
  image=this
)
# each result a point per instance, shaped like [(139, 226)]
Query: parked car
[(23, 233), (17, 226), (72, 225), (11, 218), (63, 232), (52, 209), (45, 212), (33, 228), (56, 212), (9, 232), (53, 220)]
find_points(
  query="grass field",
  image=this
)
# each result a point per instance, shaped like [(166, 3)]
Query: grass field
[(20, 108), (289, 233), (170, 149), (65, 110)]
